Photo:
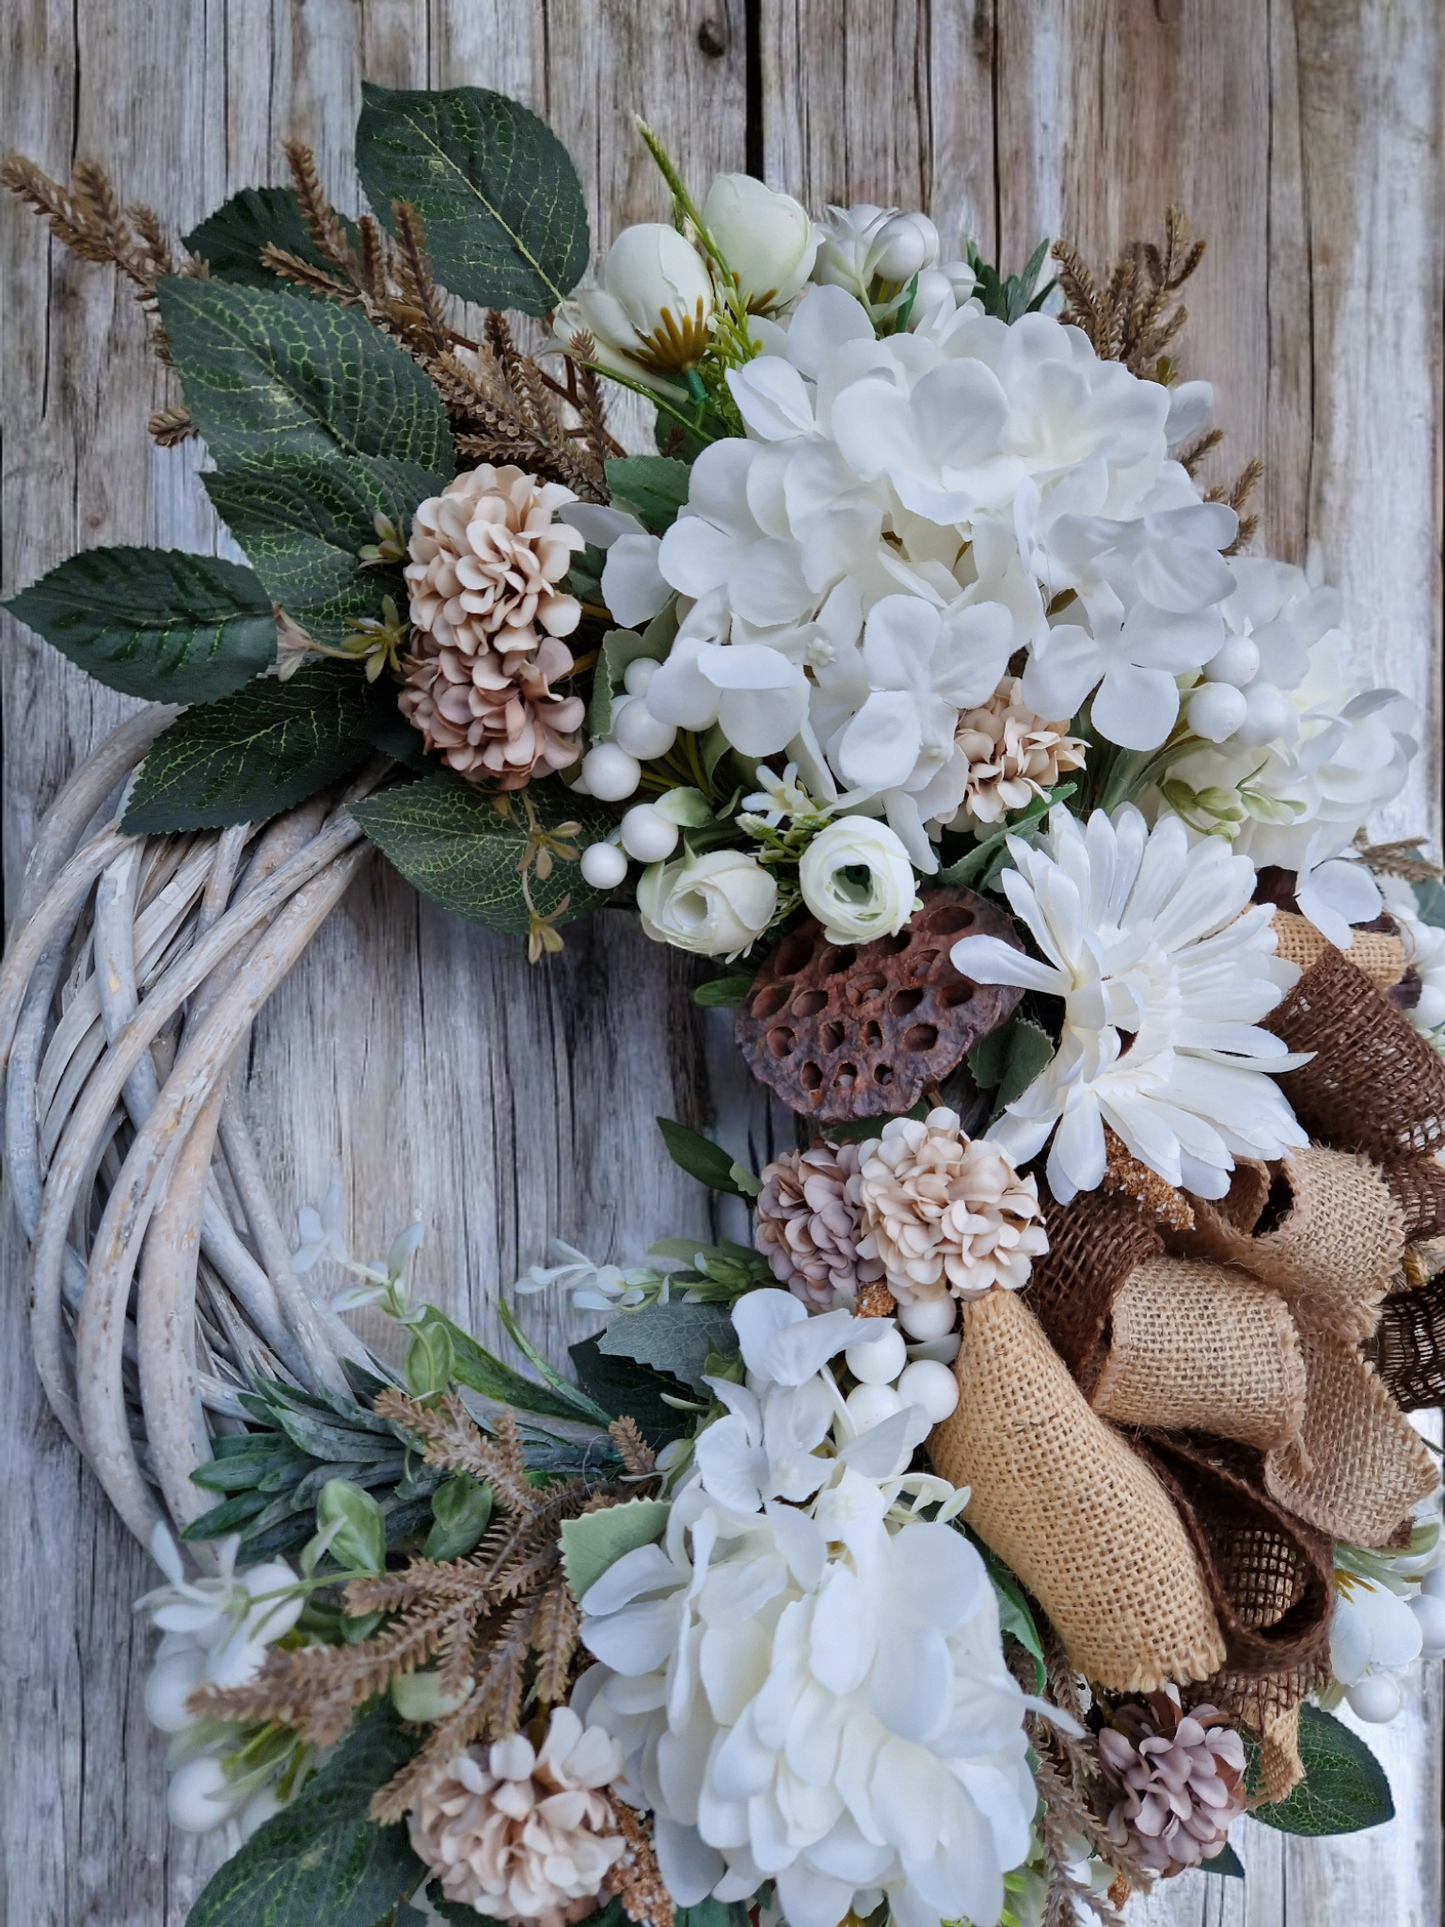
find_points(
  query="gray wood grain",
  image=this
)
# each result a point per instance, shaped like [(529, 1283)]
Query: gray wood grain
[(422, 1063)]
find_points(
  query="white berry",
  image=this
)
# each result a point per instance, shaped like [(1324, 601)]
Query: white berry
[(1216, 710), (199, 1796), (172, 1681), (603, 866), (1237, 662), (929, 1317), (1429, 1609), (1375, 1698), (637, 730), (1433, 1584), (933, 1386), (638, 674), (647, 834), (869, 1405), (878, 1361), (610, 773)]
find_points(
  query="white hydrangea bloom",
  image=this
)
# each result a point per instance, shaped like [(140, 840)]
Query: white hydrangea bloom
[(1165, 968), (1425, 943), (908, 513)]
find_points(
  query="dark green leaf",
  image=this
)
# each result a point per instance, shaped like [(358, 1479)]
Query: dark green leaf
[(157, 623), (700, 1157), (253, 754), (1227, 1862), (475, 1366), (713, 1913), (674, 1338), (653, 486), (268, 374), (302, 520), (978, 868), (230, 240), (630, 1390), (1008, 1060), (505, 218), (858, 1130), (1344, 1789), (724, 993), (461, 1508), (321, 1862), (447, 838)]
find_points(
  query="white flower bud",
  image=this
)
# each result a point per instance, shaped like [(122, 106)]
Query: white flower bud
[(766, 238), (173, 1678), (419, 1697), (856, 879), (903, 247), (603, 866), (1376, 1698), (878, 1361), (638, 731), (1430, 1611), (925, 1318), (199, 1796), (1216, 710), (716, 904), (1269, 714), (655, 305), (610, 773), (647, 834), (932, 1386)]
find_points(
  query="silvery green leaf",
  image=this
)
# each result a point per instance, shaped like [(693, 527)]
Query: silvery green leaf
[(687, 807)]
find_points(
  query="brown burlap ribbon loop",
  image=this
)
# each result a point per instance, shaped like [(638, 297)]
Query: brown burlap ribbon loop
[(1073, 1509), (1094, 1245), (1374, 1083), (1408, 1351), (1418, 1185)]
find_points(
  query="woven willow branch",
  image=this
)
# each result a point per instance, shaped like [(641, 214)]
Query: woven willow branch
[(160, 1278)]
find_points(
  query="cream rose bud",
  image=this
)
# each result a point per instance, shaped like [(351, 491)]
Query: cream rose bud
[(716, 904), (656, 301), (903, 247), (766, 238), (856, 879)]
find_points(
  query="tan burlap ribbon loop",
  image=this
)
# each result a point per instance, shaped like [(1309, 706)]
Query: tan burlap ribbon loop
[(1094, 1245), (1327, 1236), (1378, 954), (1194, 1347), (1374, 1083), (1072, 1509)]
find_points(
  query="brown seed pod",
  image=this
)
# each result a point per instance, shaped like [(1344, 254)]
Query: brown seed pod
[(844, 1031)]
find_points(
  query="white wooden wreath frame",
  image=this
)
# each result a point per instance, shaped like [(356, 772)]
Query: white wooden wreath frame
[(161, 1278)]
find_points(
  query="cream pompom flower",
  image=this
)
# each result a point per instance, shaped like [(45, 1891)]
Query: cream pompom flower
[(1165, 968), (946, 1213), (523, 1835)]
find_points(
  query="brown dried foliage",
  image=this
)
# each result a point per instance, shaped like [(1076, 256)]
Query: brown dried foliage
[(1135, 316), (502, 1611), (636, 1878)]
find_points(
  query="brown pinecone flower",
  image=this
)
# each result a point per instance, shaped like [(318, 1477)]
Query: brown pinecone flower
[(1182, 1780), (486, 556), (1013, 755), (809, 1225)]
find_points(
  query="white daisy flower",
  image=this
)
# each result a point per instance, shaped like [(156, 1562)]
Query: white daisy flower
[(1165, 968)]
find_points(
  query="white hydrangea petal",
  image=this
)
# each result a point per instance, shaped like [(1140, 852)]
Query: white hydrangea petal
[(1135, 708), (633, 586), (771, 398)]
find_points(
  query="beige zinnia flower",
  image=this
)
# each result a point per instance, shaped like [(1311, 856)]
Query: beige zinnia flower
[(521, 1835), (945, 1212), (1013, 755)]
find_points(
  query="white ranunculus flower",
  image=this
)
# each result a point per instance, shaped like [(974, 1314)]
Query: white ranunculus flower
[(766, 238), (652, 317), (821, 1701), (717, 904), (1154, 942), (856, 879)]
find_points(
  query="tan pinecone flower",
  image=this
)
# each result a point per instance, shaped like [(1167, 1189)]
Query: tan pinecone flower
[(808, 1225), (1012, 754), (946, 1213), (1181, 1777), (487, 616), (520, 1835)]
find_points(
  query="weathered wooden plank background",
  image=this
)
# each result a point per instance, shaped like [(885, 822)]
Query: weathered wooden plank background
[(422, 1062)]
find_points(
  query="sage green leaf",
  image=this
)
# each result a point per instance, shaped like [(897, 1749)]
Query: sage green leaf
[(156, 623), (360, 1540), (674, 1338), (446, 837), (723, 993), (1344, 1789), (979, 867), (1008, 1060), (506, 223), (700, 1157), (598, 1539), (654, 487), (474, 1366), (303, 520), (230, 240), (267, 373), (253, 754), (321, 1861), (1430, 901)]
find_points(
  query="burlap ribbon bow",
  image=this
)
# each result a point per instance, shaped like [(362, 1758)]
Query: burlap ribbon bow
[(1163, 1440)]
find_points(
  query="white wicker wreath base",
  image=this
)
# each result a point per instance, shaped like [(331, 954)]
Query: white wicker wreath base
[(160, 1278)]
